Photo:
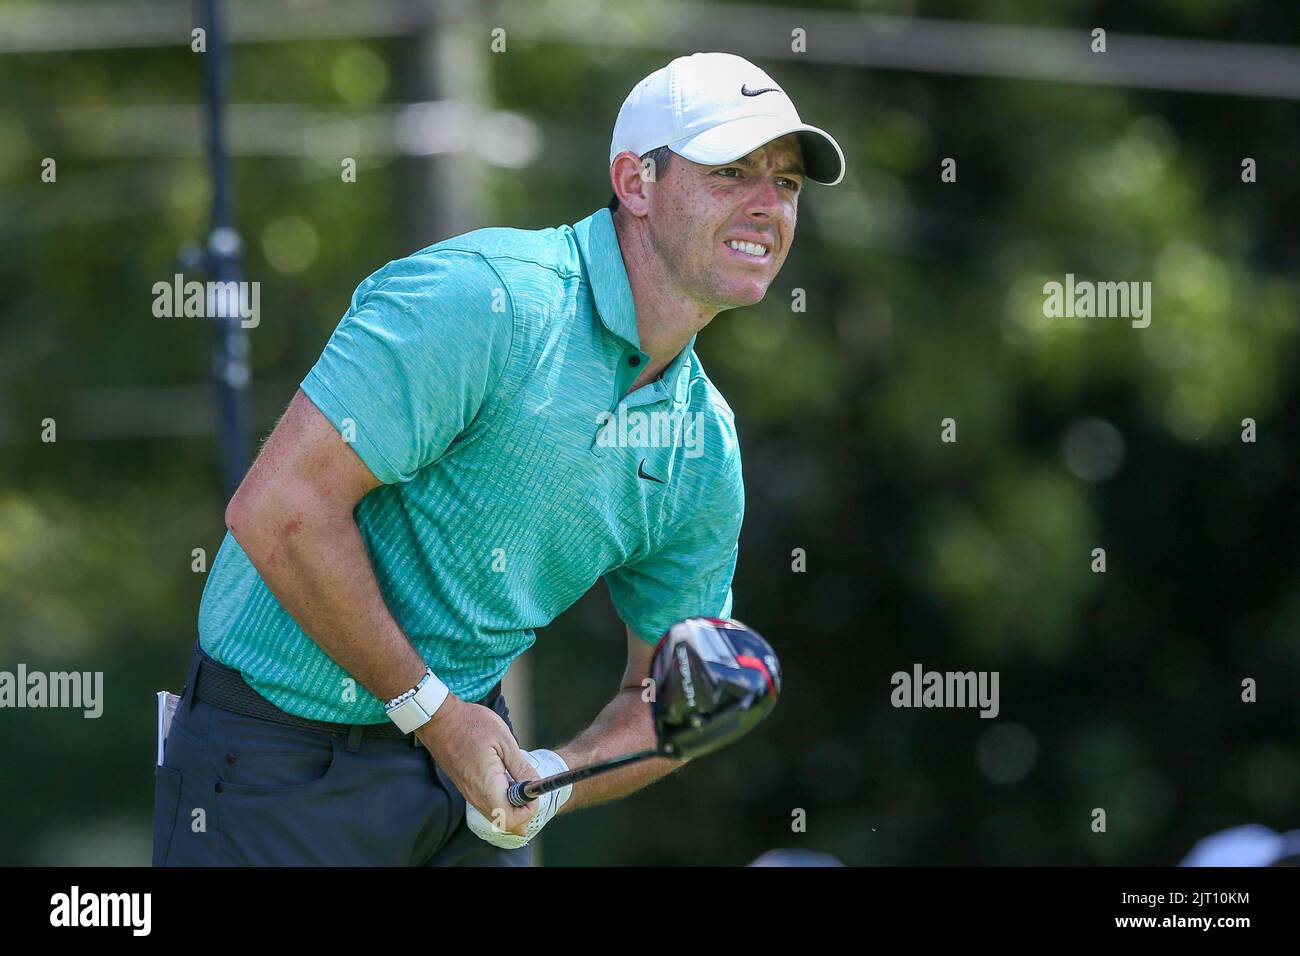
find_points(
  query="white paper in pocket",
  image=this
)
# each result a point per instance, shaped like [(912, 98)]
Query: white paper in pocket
[(167, 702)]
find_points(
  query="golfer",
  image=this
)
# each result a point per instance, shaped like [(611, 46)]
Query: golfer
[(498, 421)]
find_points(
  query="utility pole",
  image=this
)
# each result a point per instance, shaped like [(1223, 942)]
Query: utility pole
[(220, 260)]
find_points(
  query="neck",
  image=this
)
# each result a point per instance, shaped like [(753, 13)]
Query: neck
[(666, 317)]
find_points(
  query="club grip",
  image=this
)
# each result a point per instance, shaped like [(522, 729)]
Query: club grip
[(520, 794), (516, 795)]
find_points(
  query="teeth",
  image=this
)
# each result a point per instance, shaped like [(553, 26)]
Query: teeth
[(753, 248)]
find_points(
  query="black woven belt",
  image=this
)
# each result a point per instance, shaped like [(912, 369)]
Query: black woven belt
[(225, 687)]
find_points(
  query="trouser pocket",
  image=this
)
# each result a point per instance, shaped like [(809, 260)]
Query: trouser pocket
[(183, 796), (166, 801)]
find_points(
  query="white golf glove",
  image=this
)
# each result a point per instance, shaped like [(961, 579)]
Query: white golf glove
[(548, 763)]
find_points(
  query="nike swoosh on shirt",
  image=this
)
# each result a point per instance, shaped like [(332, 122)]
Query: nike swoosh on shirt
[(640, 473)]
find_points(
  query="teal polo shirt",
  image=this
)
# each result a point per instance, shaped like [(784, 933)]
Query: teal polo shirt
[(485, 381)]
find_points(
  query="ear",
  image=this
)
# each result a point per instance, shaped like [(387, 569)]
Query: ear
[(631, 184)]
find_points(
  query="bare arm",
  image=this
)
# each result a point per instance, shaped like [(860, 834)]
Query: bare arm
[(293, 516), (624, 726)]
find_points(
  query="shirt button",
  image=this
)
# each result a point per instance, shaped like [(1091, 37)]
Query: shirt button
[(634, 360)]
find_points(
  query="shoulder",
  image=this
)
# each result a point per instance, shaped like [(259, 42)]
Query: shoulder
[(519, 258), (705, 396), (487, 266), (721, 442), (539, 246)]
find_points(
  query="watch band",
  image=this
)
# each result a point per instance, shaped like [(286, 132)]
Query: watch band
[(414, 709)]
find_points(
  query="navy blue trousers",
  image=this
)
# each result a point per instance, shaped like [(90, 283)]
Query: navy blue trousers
[(242, 791)]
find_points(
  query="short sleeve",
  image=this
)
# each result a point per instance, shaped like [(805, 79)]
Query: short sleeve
[(688, 576), (422, 347)]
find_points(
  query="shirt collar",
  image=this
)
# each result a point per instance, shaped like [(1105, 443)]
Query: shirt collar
[(598, 243), (677, 371)]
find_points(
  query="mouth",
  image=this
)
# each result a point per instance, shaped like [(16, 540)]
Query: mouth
[(753, 252)]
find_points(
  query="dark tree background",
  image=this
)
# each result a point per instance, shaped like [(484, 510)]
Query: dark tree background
[(1119, 690)]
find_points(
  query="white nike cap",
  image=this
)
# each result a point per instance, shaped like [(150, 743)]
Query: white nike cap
[(714, 108)]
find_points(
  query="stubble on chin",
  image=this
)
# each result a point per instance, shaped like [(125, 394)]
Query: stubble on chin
[(740, 298)]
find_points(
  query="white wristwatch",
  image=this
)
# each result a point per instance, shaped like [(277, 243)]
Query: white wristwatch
[(412, 710)]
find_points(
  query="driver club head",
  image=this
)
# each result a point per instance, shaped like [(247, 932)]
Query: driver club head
[(714, 679)]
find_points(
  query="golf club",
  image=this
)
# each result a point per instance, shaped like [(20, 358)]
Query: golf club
[(713, 679)]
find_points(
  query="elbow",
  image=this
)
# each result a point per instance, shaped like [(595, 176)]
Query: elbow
[(271, 522), (237, 513), (249, 523)]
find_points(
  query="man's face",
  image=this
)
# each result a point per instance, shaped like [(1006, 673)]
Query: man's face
[(697, 213)]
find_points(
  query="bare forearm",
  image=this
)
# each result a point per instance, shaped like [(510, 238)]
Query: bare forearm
[(624, 726), (317, 567)]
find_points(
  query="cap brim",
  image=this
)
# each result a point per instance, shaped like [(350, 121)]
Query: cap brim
[(725, 143)]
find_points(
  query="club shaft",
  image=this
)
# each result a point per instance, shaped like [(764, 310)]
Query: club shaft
[(525, 790)]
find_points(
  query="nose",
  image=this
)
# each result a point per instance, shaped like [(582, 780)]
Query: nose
[(766, 202)]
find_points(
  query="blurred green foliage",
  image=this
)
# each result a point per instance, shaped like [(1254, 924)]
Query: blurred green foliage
[(924, 302)]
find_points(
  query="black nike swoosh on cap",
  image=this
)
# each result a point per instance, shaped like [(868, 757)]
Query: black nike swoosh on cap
[(746, 91)]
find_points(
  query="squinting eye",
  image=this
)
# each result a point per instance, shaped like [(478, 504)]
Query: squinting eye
[(729, 169)]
